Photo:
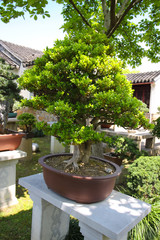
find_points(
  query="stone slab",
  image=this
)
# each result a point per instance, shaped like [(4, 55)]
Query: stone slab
[(113, 217), (10, 155)]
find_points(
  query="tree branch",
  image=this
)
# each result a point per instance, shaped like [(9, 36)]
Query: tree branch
[(113, 29), (78, 11), (124, 4), (106, 15), (112, 13)]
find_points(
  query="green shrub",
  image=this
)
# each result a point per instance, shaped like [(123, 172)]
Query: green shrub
[(37, 133), (125, 148), (74, 230), (26, 121), (143, 178), (143, 182)]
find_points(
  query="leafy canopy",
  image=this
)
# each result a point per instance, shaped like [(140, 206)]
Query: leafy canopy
[(9, 92), (131, 25), (8, 88), (81, 81)]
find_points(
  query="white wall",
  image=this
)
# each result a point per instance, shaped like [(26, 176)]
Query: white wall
[(155, 96), (19, 71)]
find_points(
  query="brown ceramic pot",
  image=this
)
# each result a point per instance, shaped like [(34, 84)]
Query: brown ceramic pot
[(105, 125), (112, 158), (10, 141), (81, 189)]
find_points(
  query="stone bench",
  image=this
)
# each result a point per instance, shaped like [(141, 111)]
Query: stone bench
[(138, 137), (112, 218)]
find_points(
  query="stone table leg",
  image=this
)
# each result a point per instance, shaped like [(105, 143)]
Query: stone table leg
[(91, 234), (48, 221), (150, 142), (139, 144)]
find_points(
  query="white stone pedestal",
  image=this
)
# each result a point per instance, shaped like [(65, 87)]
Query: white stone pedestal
[(112, 218), (56, 146), (8, 161)]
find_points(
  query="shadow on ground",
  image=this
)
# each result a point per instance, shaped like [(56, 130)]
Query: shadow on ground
[(11, 226)]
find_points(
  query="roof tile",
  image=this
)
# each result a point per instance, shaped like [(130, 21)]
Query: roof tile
[(146, 77), (24, 54)]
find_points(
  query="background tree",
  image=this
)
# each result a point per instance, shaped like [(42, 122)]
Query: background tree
[(131, 25), (9, 92), (81, 82)]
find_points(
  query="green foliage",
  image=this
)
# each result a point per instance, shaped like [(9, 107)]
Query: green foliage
[(8, 88), (26, 121), (143, 178), (143, 182), (125, 148), (37, 133), (131, 26), (127, 25), (149, 227), (156, 129), (74, 230), (9, 91), (144, 107), (17, 8), (81, 82)]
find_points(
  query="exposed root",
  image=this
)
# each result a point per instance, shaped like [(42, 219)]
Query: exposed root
[(72, 162)]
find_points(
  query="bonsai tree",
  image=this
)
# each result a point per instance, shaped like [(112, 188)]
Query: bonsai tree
[(26, 121), (9, 92), (81, 82)]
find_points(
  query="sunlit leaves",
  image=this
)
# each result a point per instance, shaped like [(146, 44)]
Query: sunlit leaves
[(80, 81)]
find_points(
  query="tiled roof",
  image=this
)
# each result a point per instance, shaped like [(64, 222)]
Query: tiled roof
[(146, 77), (15, 54)]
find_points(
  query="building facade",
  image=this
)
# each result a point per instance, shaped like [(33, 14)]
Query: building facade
[(147, 89), (20, 58)]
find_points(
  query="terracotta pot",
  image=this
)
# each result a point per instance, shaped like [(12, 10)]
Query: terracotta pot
[(10, 141), (81, 189), (112, 158)]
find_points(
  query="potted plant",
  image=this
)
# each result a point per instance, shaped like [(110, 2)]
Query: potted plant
[(122, 148), (81, 82), (26, 122), (9, 92)]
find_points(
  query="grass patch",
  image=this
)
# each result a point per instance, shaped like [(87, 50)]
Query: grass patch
[(15, 221)]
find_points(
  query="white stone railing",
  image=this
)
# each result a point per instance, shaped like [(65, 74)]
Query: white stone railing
[(112, 218)]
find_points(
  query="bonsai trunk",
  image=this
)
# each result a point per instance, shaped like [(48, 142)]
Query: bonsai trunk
[(81, 153)]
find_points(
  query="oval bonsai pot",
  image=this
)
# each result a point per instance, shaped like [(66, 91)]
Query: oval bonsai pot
[(106, 125), (81, 189), (10, 141), (112, 158)]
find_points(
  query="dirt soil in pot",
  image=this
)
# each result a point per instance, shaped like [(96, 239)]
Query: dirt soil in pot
[(92, 169)]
